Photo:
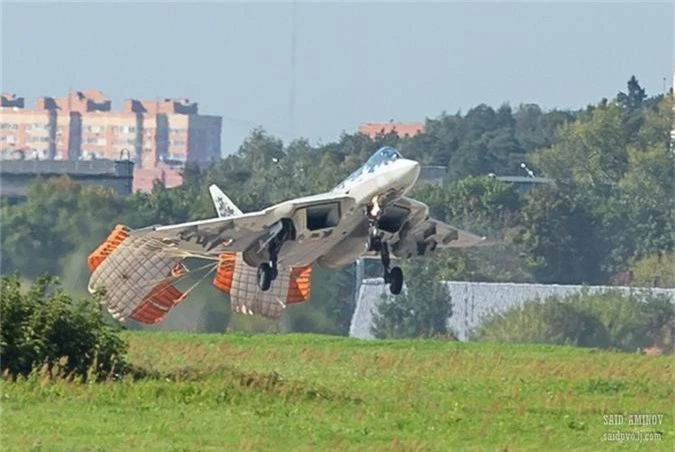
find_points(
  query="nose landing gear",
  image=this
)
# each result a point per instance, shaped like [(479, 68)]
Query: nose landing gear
[(394, 276), (395, 280)]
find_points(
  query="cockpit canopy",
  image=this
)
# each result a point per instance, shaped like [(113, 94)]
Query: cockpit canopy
[(384, 156)]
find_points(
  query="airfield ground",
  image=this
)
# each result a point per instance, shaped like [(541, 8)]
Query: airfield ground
[(342, 394)]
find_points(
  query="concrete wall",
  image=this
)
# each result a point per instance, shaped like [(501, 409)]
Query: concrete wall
[(471, 301), (17, 175)]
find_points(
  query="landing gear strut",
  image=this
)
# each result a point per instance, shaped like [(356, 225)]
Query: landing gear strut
[(267, 271), (393, 277)]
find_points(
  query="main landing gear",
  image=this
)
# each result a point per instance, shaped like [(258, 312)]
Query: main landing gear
[(267, 271), (265, 276), (394, 276)]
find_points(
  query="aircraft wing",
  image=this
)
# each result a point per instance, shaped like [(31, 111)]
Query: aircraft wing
[(420, 235), (210, 238)]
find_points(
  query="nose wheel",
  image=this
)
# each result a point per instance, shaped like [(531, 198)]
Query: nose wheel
[(394, 276), (395, 280)]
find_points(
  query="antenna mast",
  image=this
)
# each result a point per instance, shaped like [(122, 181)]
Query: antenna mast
[(291, 107)]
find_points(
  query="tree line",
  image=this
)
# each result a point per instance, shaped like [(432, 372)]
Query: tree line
[(606, 218)]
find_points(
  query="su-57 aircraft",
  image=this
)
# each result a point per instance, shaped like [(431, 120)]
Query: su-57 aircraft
[(263, 259)]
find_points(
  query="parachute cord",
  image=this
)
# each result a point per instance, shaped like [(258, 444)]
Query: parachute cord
[(210, 266), (177, 252), (192, 287)]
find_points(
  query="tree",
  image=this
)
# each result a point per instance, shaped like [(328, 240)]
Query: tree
[(422, 310), (590, 155), (560, 236), (635, 96), (619, 171), (655, 270), (483, 206), (58, 217)]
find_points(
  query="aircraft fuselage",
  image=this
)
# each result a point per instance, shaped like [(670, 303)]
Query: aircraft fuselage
[(383, 179)]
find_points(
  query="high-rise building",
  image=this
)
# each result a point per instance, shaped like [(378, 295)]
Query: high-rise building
[(82, 126)]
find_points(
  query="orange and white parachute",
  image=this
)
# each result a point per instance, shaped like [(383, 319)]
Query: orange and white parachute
[(239, 280), (138, 275)]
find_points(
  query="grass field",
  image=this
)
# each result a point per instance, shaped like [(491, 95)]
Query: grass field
[(308, 392)]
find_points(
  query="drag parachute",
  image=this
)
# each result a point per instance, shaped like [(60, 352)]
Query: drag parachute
[(138, 276), (239, 280)]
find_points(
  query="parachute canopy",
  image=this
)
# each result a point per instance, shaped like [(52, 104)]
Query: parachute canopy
[(138, 276)]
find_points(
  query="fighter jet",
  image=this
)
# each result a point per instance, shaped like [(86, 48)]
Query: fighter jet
[(263, 259)]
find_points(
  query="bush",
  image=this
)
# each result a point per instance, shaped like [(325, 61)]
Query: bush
[(655, 270), (44, 326), (550, 322), (627, 317), (607, 320)]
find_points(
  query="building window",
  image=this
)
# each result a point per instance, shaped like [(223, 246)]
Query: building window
[(177, 156)]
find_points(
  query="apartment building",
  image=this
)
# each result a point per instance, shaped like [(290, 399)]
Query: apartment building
[(82, 126), (24, 130)]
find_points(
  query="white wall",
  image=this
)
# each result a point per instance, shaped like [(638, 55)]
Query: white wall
[(471, 301)]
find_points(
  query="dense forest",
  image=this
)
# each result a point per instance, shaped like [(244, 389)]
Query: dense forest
[(607, 217)]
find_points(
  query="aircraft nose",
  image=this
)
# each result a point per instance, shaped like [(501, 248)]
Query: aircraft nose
[(411, 170)]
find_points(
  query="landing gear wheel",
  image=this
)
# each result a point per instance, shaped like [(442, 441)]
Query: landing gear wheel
[(265, 276), (396, 280)]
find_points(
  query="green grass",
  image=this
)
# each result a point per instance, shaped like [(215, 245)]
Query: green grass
[(308, 392)]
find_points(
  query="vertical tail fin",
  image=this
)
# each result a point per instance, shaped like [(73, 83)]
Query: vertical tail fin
[(224, 205)]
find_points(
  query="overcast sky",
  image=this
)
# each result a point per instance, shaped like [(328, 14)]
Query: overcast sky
[(354, 62)]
